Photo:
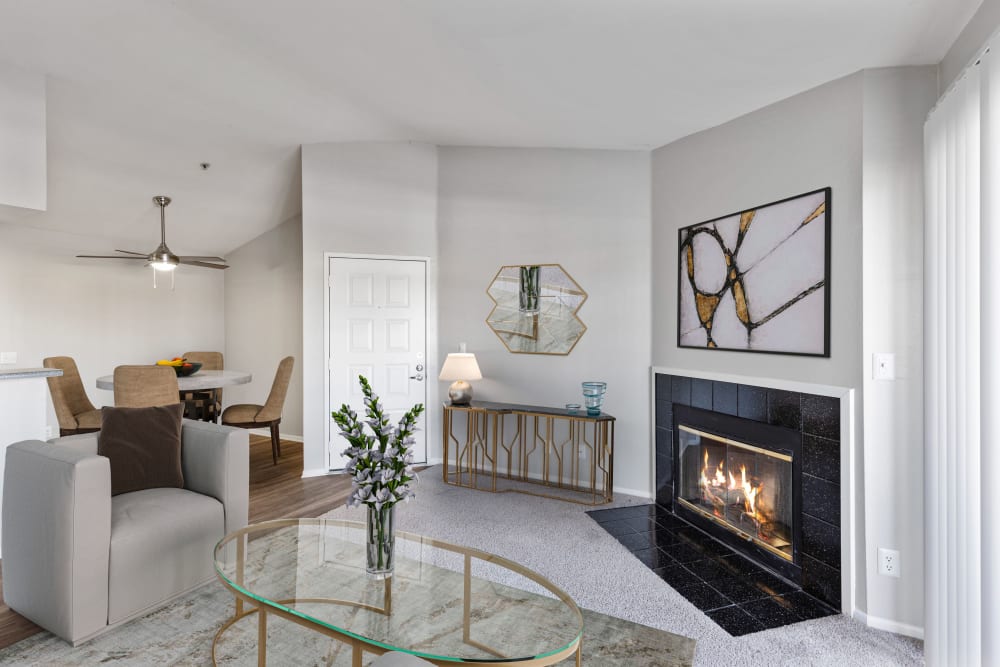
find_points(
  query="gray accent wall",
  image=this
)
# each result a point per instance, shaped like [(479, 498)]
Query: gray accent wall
[(364, 198), (862, 136), (264, 317), (587, 210)]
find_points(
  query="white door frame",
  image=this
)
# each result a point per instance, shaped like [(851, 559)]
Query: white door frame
[(431, 415)]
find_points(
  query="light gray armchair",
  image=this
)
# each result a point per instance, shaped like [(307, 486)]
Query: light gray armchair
[(78, 561)]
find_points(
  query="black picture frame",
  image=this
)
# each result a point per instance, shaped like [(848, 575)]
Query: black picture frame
[(685, 238)]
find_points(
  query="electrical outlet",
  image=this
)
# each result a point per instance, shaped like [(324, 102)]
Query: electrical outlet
[(888, 562), (8, 357), (49, 433)]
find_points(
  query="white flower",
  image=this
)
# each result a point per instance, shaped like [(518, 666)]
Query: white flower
[(384, 497)]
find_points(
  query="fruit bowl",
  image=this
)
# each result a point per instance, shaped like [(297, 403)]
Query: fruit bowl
[(189, 368)]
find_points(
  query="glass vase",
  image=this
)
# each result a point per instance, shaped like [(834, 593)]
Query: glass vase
[(380, 542), (529, 289), (593, 397)]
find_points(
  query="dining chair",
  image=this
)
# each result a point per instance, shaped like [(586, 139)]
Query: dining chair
[(145, 386), (204, 404), (75, 412), (246, 415)]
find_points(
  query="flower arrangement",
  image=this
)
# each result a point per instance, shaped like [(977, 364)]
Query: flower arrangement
[(381, 466)]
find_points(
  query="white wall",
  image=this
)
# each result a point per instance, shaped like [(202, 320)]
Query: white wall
[(263, 294), (374, 198), (101, 313), (587, 210), (22, 138), (896, 102)]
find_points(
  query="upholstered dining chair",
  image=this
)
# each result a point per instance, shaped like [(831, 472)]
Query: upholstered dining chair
[(247, 415), (205, 404), (145, 386), (75, 412)]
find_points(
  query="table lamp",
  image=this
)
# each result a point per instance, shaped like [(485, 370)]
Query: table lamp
[(460, 367)]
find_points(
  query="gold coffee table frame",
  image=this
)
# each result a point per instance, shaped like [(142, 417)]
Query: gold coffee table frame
[(360, 644), (534, 453)]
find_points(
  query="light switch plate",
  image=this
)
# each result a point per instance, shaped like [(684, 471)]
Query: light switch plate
[(883, 366), (8, 357)]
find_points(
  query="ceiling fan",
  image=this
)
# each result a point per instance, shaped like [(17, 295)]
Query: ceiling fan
[(162, 259)]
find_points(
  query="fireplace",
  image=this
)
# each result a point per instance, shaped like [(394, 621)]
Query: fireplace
[(740, 481)]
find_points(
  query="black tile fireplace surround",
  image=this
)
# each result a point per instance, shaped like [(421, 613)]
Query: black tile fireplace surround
[(740, 595), (816, 418)]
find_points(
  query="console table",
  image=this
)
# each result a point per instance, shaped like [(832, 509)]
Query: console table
[(504, 447)]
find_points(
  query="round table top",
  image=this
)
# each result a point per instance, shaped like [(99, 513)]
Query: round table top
[(200, 380), (315, 568)]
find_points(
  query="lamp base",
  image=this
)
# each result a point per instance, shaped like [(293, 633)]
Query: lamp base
[(460, 392)]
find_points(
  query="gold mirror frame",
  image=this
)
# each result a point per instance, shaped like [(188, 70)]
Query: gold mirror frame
[(535, 309)]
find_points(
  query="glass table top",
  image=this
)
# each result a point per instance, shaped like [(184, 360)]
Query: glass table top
[(444, 602)]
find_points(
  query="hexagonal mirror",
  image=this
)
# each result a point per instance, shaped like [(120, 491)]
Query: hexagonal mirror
[(535, 309)]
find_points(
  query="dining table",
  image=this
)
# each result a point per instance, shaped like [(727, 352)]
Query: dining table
[(200, 381), (207, 383)]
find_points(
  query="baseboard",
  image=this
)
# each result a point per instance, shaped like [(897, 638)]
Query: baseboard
[(633, 492), (537, 476), (267, 434), (318, 472), (889, 626)]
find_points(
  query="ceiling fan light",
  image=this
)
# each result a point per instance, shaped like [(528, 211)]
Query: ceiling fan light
[(163, 265), (162, 259)]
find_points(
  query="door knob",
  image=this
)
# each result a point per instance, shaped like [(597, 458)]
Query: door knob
[(418, 377)]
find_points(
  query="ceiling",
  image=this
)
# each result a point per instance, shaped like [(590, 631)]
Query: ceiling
[(142, 91)]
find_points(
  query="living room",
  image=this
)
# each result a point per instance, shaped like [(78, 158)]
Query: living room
[(475, 139)]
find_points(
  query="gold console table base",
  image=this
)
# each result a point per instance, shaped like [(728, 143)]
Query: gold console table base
[(564, 456)]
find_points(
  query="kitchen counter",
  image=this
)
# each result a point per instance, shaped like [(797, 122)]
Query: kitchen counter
[(21, 373)]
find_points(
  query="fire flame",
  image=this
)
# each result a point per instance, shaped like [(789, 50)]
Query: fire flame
[(714, 486)]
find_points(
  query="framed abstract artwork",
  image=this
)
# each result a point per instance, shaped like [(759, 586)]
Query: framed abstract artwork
[(758, 280)]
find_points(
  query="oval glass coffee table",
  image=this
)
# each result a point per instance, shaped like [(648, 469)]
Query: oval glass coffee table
[(445, 603)]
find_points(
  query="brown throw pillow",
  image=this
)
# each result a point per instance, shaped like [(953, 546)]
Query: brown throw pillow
[(144, 447)]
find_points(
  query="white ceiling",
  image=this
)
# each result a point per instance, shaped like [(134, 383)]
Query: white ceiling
[(140, 92)]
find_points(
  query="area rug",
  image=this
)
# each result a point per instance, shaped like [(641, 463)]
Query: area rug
[(181, 634), (556, 539)]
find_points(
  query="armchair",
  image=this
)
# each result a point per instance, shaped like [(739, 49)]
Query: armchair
[(78, 561)]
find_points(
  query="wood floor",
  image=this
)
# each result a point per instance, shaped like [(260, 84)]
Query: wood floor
[(276, 491)]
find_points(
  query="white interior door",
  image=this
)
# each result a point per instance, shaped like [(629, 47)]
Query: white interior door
[(378, 328)]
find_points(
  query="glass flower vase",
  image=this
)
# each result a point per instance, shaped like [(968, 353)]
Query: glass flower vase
[(380, 541), (528, 289), (593, 397)]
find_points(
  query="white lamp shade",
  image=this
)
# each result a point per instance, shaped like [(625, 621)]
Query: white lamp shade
[(460, 366)]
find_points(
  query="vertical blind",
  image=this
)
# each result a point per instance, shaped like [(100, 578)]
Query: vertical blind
[(961, 314)]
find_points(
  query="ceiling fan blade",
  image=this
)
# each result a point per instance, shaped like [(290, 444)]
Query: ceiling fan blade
[(207, 265), (200, 258), (110, 257), (132, 252)]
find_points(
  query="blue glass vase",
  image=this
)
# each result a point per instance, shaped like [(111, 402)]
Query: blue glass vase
[(593, 396)]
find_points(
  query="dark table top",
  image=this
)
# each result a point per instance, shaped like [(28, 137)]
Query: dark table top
[(490, 406)]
